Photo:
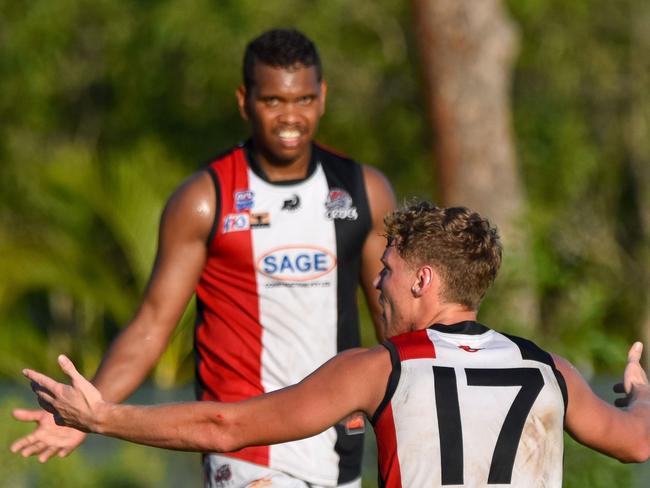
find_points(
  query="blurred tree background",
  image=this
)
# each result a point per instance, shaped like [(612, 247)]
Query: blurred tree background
[(106, 105)]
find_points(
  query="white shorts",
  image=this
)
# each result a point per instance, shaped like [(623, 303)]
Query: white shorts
[(226, 472)]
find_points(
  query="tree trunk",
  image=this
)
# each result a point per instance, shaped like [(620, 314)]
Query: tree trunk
[(467, 49)]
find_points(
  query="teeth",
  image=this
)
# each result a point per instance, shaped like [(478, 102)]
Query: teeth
[(289, 134)]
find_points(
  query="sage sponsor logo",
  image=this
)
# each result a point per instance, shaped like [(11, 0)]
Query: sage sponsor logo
[(296, 263)]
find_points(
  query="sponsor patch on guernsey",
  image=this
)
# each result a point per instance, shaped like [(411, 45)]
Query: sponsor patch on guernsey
[(339, 205), (236, 222), (261, 219), (296, 263), (244, 200)]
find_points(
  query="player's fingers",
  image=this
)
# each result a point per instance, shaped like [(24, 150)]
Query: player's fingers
[(33, 448), (64, 451), (27, 415), (47, 454), (21, 443), (45, 382), (634, 354), (45, 403), (42, 395), (68, 367)]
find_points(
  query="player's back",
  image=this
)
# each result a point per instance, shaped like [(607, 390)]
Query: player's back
[(468, 406)]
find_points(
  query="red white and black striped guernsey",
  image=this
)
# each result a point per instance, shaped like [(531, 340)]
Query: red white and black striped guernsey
[(277, 297), (468, 406)]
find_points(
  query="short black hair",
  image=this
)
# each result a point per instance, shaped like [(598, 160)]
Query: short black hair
[(280, 48)]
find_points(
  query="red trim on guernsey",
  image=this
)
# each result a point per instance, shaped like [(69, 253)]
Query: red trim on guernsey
[(387, 458), (229, 338), (414, 345), (327, 148)]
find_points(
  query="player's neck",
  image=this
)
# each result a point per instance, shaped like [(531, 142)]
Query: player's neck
[(449, 314), (275, 170)]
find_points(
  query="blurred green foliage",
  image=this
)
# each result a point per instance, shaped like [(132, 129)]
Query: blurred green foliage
[(106, 105)]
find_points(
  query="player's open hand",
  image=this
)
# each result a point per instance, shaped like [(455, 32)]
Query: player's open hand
[(75, 405), (634, 376), (48, 439)]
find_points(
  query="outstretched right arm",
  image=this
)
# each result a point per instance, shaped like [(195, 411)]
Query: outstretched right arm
[(182, 251), (620, 433)]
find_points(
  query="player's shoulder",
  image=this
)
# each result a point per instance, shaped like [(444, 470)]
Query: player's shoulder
[(528, 348), (201, 184), (365, 358), (224, 156), (328, 155)]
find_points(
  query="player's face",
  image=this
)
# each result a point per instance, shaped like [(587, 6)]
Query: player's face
[(395, 281), (283, 107)]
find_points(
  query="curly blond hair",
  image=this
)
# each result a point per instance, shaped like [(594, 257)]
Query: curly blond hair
[(460, 244)]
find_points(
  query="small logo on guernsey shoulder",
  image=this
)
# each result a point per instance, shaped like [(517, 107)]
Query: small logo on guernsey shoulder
[(244, 200), (469, 349), (339, 205), (236, 222), (223, 475), (296, 263)]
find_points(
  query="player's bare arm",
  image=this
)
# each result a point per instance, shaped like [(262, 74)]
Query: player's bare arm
[(621, 433), (352, 381), (381, 200), (184, 228)]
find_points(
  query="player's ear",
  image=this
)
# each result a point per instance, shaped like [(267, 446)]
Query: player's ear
[(241, 101), (425, 277)]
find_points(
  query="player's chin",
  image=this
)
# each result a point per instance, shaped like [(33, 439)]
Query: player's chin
[(288, 155)]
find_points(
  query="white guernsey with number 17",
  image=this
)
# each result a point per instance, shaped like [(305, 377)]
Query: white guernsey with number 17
[(494, 403)]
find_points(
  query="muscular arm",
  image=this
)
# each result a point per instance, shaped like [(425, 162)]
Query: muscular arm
[(620, 433), (184, 230), (382, 201), (353, 381), (182, 251)]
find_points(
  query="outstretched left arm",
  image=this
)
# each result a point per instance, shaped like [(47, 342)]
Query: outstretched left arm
[(340, 387)]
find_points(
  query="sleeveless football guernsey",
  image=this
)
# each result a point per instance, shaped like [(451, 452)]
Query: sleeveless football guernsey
[(277, 296), (468, 406)]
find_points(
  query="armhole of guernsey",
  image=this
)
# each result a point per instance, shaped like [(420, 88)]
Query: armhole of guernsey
[(217, 208), (345, 181), (530, 350), (393, 380)]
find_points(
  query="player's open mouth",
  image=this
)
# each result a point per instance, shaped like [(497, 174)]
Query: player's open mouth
[(289, 137)]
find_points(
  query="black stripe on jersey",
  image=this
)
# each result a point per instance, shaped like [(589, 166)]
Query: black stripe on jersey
[(449, 425), (349, 447), (393, 380), (530, 350), (347, 175), (468, 327), (199, 386), (217, 208)]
